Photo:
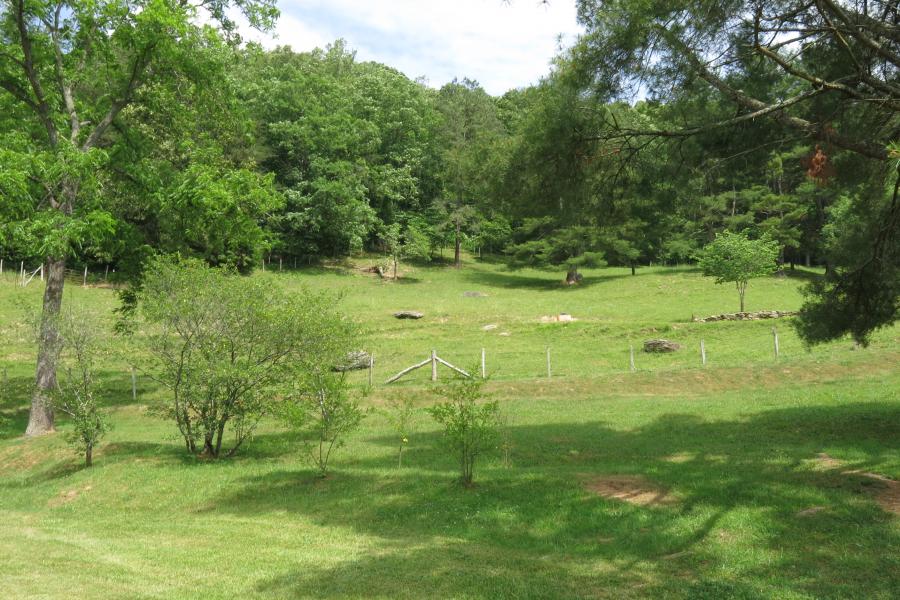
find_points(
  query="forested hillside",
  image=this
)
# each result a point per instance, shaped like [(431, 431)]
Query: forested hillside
[(665, 124)]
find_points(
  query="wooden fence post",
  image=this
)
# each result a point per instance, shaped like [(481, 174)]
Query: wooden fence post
[(483, 368), (106, 274), (84, 280), (631, 351), (279, 265), (549, 370), (42, 270), (702, 352), (433, 365), (775, 338), (371, 368), (133, 384), (1, 266)]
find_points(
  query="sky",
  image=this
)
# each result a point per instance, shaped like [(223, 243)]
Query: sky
[(501, 44)]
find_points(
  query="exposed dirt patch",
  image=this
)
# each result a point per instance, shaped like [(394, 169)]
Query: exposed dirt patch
[(680, 457), (824, 461), (633, 489), (812, 510), (66, 496), (725, 536), (884, 490), (560, 318)]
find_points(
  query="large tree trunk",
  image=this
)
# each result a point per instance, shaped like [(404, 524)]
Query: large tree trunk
[(40, 419)]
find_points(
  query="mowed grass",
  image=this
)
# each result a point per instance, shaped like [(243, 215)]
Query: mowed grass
[(765, 469)]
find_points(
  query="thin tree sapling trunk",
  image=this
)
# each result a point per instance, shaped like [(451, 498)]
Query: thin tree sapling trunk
[(456, 254)]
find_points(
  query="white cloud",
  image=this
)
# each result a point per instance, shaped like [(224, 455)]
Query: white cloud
[(501, 44)]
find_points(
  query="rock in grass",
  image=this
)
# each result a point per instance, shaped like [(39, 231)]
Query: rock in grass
[(747, 316), (474, 295), (661, 346), (354, 361), (408, 314)]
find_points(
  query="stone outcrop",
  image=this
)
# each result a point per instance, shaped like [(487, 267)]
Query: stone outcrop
[(747, 316), (408, 314), (354, 361), (661, 346)]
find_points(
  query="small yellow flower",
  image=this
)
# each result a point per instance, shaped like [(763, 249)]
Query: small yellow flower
[(405, 441)]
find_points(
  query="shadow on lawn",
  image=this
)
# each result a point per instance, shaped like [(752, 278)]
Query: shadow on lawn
[(14, 403), (533, 530), (514, 280)]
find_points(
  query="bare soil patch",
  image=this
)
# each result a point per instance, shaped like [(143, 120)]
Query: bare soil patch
[(633, 489), (812, 510), (66, 496), (824, 461), (884, 490)]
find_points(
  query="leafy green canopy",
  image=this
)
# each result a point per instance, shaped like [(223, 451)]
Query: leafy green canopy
[(77, 79), (741, 81), (734, 258), (350, 143)]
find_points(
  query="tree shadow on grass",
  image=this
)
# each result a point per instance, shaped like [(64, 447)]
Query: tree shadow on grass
[(259, 447), (14, 403), (514, 280), (800, 273), (738, 528)]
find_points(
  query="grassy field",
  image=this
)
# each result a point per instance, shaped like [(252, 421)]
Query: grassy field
[(749, 478)]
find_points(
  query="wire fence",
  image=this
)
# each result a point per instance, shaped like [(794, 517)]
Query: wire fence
[(757, 347), (24, 273)]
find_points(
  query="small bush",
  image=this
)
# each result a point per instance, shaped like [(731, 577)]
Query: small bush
[(228, 348), (471, 425), (325, 408), (76, 393)]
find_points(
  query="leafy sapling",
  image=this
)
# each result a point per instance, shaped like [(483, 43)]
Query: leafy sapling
[(733, 257), (401, 414), (471, 424), (76, 393), (327, 411)]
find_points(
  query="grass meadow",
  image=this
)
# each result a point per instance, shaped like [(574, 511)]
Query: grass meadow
[(751, 477)]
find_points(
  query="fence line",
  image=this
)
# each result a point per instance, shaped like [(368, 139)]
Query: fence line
[(558, 361)]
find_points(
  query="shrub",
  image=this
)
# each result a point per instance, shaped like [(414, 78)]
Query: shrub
[(229, 348), (327, 411), (470, 424), (76, 393)]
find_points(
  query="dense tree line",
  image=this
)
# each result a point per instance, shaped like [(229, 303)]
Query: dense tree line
[(128, 130)]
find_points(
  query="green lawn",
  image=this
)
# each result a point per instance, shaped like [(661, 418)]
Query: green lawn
[(760, 474)]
